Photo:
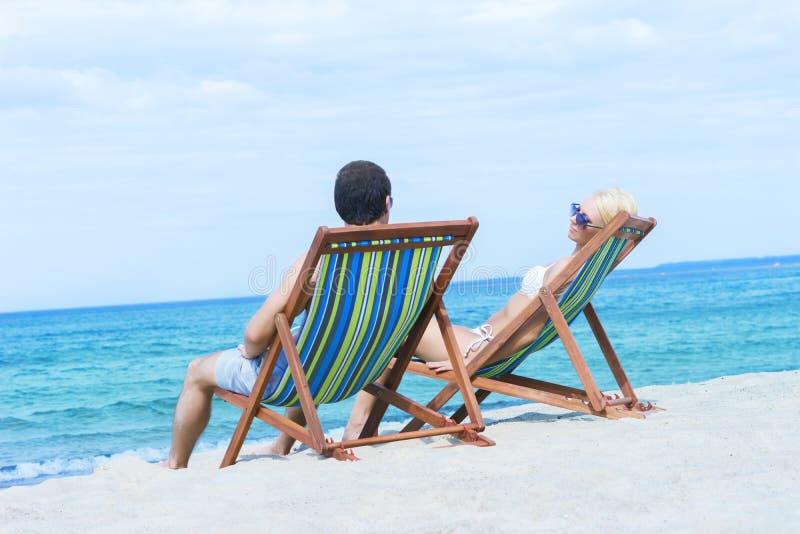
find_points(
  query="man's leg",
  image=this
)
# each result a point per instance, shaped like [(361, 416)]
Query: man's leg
[(193, 409)]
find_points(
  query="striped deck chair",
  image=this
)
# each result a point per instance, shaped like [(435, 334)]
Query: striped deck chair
[(581, 277), (376, 290)]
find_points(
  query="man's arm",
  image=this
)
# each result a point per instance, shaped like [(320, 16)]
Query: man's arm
[(261, 328)]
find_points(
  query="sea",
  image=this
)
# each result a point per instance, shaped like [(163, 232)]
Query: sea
[(81, 387)]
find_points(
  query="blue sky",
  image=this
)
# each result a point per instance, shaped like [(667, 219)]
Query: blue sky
[(158, 151)]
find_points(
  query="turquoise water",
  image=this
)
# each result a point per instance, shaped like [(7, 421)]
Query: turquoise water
[(82, 386)]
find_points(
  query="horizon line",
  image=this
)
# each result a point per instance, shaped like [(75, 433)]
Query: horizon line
[(672, 267)]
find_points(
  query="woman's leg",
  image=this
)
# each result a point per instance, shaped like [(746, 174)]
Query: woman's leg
[(431, 347)]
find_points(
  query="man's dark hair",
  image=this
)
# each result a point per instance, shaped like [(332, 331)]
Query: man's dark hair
[(360, 192)]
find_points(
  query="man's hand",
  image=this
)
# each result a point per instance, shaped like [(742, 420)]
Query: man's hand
[(243, 352)]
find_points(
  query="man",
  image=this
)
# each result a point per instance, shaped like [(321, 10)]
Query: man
[(362, 196)]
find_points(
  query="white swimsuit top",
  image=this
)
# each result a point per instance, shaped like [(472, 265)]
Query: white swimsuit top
[(533, 281)]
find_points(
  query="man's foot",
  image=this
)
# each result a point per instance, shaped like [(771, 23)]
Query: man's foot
[(165, 464)]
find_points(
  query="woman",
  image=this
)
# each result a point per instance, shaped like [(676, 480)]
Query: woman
[(586, 220)]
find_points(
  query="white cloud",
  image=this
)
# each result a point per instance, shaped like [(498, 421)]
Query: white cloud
[(292, 38), (191, 30), (10, 25), (518, 10), (94, 86), (228, 90), (748, 35), (635, 32), (160, 21), (260, 13), (128, 105), (667, 85), (742, 106), (37, 87), (100, 89), (625, 33)]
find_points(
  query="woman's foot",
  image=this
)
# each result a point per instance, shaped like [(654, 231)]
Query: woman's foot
[(280, 447), (353, 429)]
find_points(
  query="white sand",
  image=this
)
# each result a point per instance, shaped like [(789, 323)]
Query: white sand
[(724, 457)]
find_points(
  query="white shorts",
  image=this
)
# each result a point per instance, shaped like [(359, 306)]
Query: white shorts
[(238, 374)]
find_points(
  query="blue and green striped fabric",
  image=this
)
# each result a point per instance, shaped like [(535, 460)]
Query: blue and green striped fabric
[(572, 302), (363, 306)]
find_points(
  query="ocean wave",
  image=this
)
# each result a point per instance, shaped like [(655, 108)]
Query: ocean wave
[(11, 421), (155, 406), (29, 473)]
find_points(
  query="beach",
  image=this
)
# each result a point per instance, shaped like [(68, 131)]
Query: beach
[(177, 174), (723, 456)]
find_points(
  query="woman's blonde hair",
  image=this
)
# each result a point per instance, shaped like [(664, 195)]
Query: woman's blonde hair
[(609, 202)]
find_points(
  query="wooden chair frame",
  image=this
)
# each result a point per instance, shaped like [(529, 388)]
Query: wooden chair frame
[(324, 243), (588, 400)]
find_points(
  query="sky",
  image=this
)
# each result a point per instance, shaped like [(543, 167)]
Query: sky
[(160, 151)]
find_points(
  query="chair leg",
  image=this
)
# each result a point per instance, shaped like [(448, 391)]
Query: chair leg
[(235, 445), (459, 368), (379, 408), (285, 340), (395, 375), (461, 413), (253, 404), (436, 404), (596, 398), (301, 383), (608, 351)]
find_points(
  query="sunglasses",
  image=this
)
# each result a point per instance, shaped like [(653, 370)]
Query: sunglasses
[(581, 220)]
